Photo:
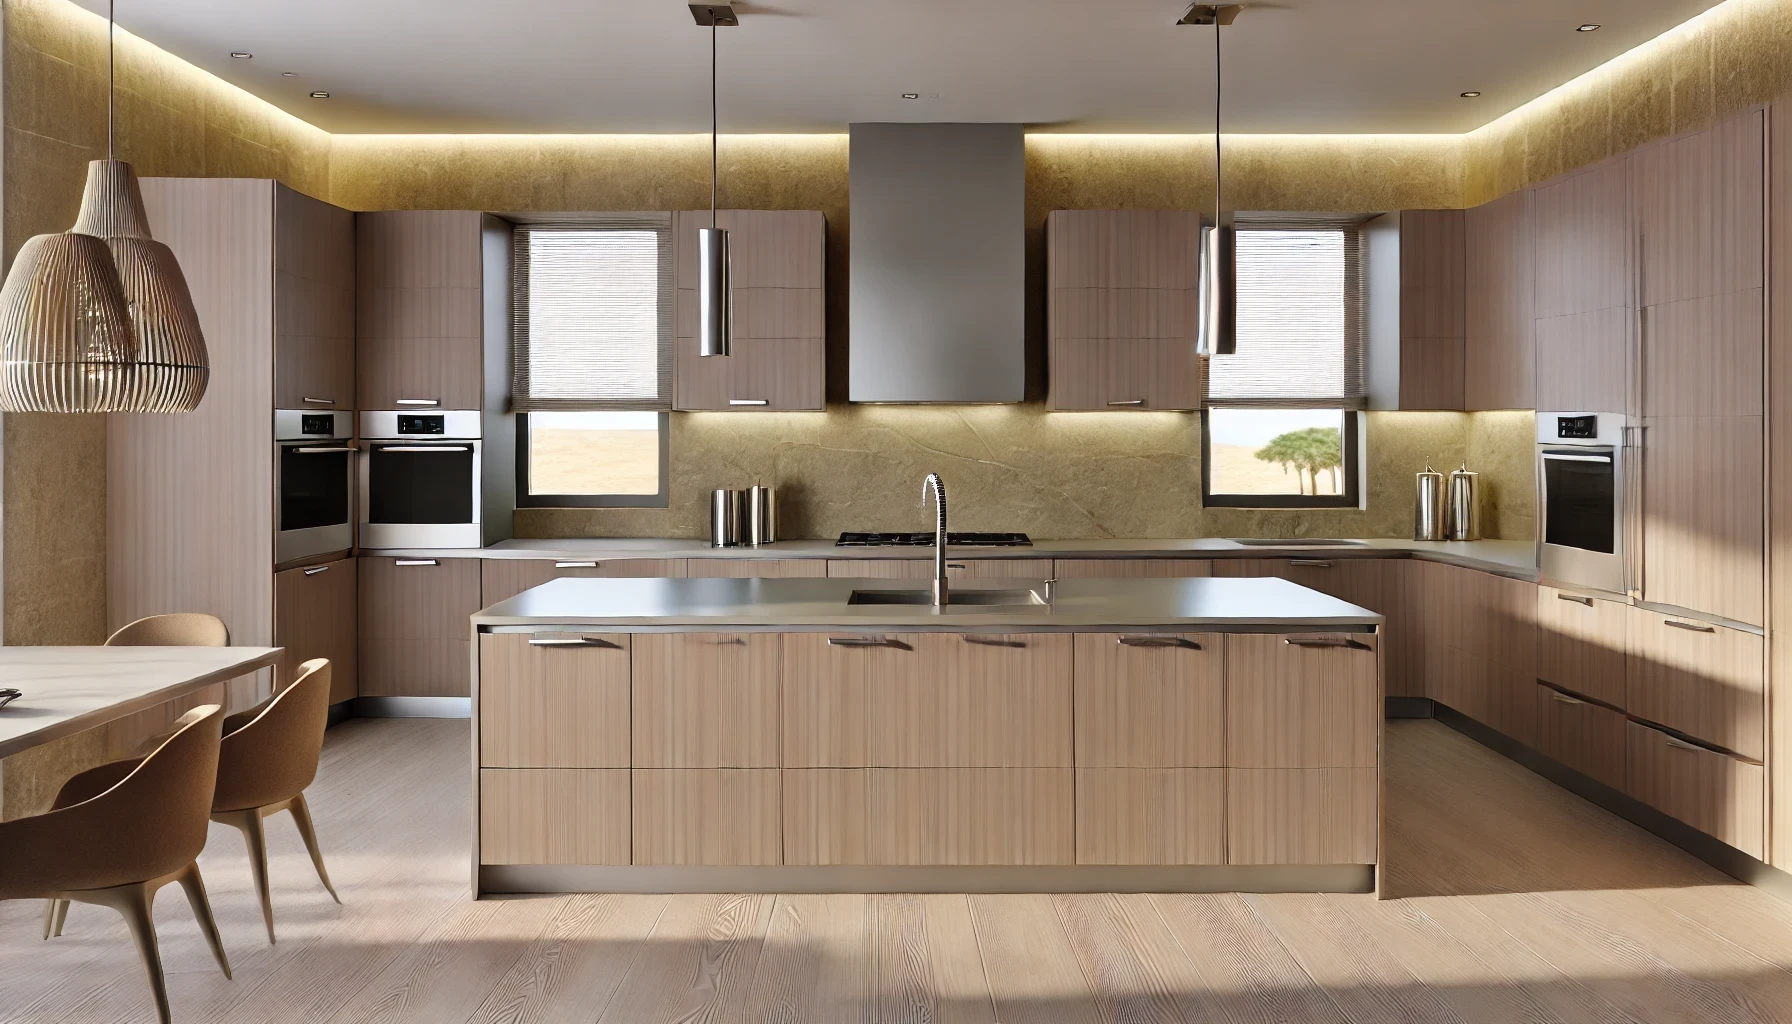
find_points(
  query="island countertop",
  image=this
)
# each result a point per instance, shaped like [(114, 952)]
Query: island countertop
[(810, 604)]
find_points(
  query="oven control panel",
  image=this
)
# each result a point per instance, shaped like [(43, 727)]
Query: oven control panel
[(410, 425), (1577, 428), (321, 424)]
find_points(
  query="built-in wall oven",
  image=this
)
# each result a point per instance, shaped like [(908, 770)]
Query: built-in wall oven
[(421, 480), (314, 473), (1580, 490)]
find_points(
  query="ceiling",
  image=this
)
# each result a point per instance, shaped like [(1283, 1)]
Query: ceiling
[(1298, 66)]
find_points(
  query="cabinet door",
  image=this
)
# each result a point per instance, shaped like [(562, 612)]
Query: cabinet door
[(929, 816), (1580, 644), (420, 311), (503, 578), (956, 569), (1698, 212), (1433, 282), (1583, 242), (314, 303), (1150, 700), (1372, 583), (1302, 700), (1716, 794), (1121, 309), (1703, 543), (1151, 815), (1584, 360), (553, 816), (1701, 679), (1131, 568), (314, 617), (756, 568), (707, 816), (1500, 355), (706, 700), (1301, 816), (777, 266), (554, 700), (1582, 735), (415, 628)]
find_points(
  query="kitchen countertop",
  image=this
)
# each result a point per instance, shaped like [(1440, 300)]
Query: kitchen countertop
[(1517, 559), (797, 605)]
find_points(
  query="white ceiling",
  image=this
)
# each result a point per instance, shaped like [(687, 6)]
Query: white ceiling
[(817, 65)]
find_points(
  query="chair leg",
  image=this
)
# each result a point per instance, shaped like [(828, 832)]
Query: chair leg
[(255, 835), (133, 902), (301, 816), (55, 913), (202, 909)]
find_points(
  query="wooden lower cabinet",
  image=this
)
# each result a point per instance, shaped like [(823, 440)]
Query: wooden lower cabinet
[(1581, 643), (503, 578), (414, 630), (959, 568), (707, 816), (917, 816), (1714, 793), (1150, 701), (705, 700), (1378, 584), (314, 617), (554, 816), (1151, 816), (554, 700), (1131, 568), (1584, 736), (756, 568), (1704, 680), (1310, 700), (1301, 816)]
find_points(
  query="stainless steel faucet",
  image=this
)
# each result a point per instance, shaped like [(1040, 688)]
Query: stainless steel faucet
[(938, 486)]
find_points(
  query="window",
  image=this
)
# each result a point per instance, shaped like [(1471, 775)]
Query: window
[(1281, 427), (591, 360)]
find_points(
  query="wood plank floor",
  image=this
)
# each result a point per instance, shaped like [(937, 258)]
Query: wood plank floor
[(1519, 903)]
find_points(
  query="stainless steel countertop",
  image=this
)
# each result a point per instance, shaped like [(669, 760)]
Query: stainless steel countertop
[(1517, 559), (797, 605)]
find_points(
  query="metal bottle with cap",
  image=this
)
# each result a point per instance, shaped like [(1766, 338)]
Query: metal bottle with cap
[(1465, 504), (1428, 505)]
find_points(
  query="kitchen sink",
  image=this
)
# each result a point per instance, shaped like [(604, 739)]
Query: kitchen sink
[(954, 599), (1296, 542)]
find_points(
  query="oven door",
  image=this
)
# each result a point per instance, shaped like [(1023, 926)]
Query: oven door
[(313, 510), (1581, 537), (420, 494)]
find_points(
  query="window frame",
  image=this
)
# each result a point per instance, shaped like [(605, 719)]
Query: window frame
[(524, 499), (1352, 469)]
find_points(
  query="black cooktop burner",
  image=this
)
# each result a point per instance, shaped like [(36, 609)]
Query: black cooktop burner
[(925, 539)]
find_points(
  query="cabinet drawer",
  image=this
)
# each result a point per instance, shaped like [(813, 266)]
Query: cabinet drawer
[(926, 700), (1304, 816), (553, 816), (1697, 678), (414, 625), (503, 578), (554, 700), (957, 569), (1308, 700), (707, 816), (1150, 816), (314, 617), (1714, 793), (756, 568), (1150, 701), (705, 700), (1580, 644), (929, 816), (1586, 737), (1131, 568)]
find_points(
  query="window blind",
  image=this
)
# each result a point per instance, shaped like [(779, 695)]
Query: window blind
[(591, 314), (1300, 320)]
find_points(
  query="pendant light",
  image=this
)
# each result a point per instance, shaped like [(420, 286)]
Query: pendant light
[(99, 319), (715, 292), (1216, 328)]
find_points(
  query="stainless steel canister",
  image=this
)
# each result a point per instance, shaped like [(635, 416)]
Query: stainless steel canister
[(727, 517), (762, 515), (1428, 505), (1465, 504)]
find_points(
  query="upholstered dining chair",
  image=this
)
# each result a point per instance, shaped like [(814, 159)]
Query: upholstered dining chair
[(268, 756), (177, 629), (116, 845)]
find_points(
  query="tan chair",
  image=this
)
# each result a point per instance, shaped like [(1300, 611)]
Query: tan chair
[(268, 757), (118, 845), (179, 629)]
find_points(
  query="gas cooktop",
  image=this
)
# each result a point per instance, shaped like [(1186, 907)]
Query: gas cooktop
[(925, 540)]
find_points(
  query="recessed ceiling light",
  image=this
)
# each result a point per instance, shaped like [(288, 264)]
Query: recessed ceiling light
[(911, 95), (241, 54), (289, 74), (1588, 27), (320, 95), (1471, 94)]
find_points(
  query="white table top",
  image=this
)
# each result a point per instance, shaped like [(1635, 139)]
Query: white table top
[(71, 689)]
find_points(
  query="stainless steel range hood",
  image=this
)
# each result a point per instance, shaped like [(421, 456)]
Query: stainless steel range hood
[(938, 271)]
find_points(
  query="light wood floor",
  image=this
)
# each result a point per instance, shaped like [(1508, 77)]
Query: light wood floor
[(1522, 904)]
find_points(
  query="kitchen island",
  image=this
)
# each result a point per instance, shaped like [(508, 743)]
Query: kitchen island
[(791, 735)]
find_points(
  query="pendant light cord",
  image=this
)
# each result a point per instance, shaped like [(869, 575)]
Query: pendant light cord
[(1217, 81), (714, 123), (111, 73)]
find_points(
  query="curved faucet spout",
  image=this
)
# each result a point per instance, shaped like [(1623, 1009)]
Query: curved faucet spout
[(938, 487)]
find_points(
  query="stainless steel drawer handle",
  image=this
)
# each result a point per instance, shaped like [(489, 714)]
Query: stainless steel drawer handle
[(1693, 627), (1159, 641), (1128, 401), (993, 641), (866, 641), (318, 401), (1562, 698), (748, 401), (1678, 744), (314, 570), (1311, 563), (575, 565), (331, 450), (415, 561), (1576, 599), (956, 565), (1303, 641), (561, 640), (424, 449), (418, 401)]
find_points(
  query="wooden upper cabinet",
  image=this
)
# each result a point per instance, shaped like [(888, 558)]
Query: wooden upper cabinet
[(1584, 284), (777, 264), (1121, 292), (1499, 358), (314, 617), (314, 303), (1697, 207), (420, 308), (1433, 280)]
